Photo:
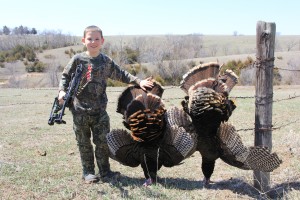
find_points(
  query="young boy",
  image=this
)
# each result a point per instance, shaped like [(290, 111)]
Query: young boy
[(89, 106)]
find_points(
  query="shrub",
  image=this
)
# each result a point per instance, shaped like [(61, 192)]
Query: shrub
[(113, 83), (39, 66), (159, 79), (35, 67)]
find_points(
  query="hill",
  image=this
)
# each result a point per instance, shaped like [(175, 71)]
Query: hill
[(204, 49)]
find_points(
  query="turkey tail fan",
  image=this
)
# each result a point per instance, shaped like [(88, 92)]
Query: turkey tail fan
[(143, 102), (206, 105), (133, 108), (180, 132), (229, 78), (144, 116), (198, 73), (156, 89), (151, 101), (131, 92), (127, 96), (212, 83), (235, 153)]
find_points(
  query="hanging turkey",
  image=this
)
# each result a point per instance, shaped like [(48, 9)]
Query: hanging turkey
[(158, 137), (208, 104)]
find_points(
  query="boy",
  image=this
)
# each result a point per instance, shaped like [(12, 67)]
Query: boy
[(89, 105)]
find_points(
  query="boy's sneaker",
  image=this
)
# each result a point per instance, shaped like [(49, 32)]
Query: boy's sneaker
[(109, 176), (90, 178)]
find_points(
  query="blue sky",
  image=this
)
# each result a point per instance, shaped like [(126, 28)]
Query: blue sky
[(155, 17)]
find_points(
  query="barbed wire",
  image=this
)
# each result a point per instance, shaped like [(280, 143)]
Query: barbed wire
[(293, 70), (273, 128), (165, 99), (290, 97), (287, 123)]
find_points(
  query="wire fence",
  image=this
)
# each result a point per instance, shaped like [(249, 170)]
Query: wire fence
[(274, 128)]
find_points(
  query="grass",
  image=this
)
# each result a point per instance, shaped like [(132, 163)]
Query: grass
[(38, 161)]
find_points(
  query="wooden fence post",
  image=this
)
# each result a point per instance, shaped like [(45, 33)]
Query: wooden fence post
[(265, 44)]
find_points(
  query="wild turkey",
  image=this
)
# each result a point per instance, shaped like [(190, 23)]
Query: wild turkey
[(209, 107), (158, 137)]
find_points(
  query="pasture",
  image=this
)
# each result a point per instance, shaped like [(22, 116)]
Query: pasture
[(38, 161)]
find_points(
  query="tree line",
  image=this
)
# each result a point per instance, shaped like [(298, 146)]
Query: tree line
[(21, 30), (166, 57)]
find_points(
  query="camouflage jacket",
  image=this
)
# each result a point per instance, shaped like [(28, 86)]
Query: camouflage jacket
[(91, 97)]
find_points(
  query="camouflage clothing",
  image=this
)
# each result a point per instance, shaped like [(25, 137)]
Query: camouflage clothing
[(90, 118), (98, 126), (92, 98)]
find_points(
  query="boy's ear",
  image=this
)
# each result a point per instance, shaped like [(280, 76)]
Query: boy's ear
[(83, 40), (102, 40)]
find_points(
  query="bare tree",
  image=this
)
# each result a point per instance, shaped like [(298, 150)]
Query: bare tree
[(13, 81), (54, 73), (213, 50), (291, 44), (293, 76), (247, 76), (225, 49)]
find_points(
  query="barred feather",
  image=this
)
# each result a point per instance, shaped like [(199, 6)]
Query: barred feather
[(261, 159), (184, 142), (118, 138), (231, 143), (238, 155), (180, 132)]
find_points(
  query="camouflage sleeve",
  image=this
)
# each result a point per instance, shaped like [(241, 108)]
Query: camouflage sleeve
[(67, 72), (116, 73)]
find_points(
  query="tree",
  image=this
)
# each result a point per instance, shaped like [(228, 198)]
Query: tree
[(6, 30), (290, 45), (33, 31)]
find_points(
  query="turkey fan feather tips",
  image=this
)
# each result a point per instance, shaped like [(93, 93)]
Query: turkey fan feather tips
[(198, 73), (131, 92), (144, 116)]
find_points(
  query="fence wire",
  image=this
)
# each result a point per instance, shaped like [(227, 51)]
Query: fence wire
[(274, 128)]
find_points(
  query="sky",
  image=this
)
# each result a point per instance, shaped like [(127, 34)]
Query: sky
[(155, 17)]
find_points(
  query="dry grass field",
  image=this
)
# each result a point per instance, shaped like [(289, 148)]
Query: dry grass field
[(38, 161)]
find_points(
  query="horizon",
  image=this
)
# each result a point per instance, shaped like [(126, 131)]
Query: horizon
[(133, 17)]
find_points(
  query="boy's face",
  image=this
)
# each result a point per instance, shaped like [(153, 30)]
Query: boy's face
[(93, 42)]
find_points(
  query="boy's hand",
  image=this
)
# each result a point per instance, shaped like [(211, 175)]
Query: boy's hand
[(61, 95), (146, 83)]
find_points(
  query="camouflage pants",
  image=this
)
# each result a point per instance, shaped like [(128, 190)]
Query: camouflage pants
[(95, 126)]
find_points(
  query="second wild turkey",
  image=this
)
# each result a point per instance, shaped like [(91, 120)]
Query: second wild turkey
[(208, 104), (157, 136)]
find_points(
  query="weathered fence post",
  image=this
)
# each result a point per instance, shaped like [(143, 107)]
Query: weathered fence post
[(265, 43)]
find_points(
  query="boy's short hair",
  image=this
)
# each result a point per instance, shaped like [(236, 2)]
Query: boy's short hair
[(92, 28)]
